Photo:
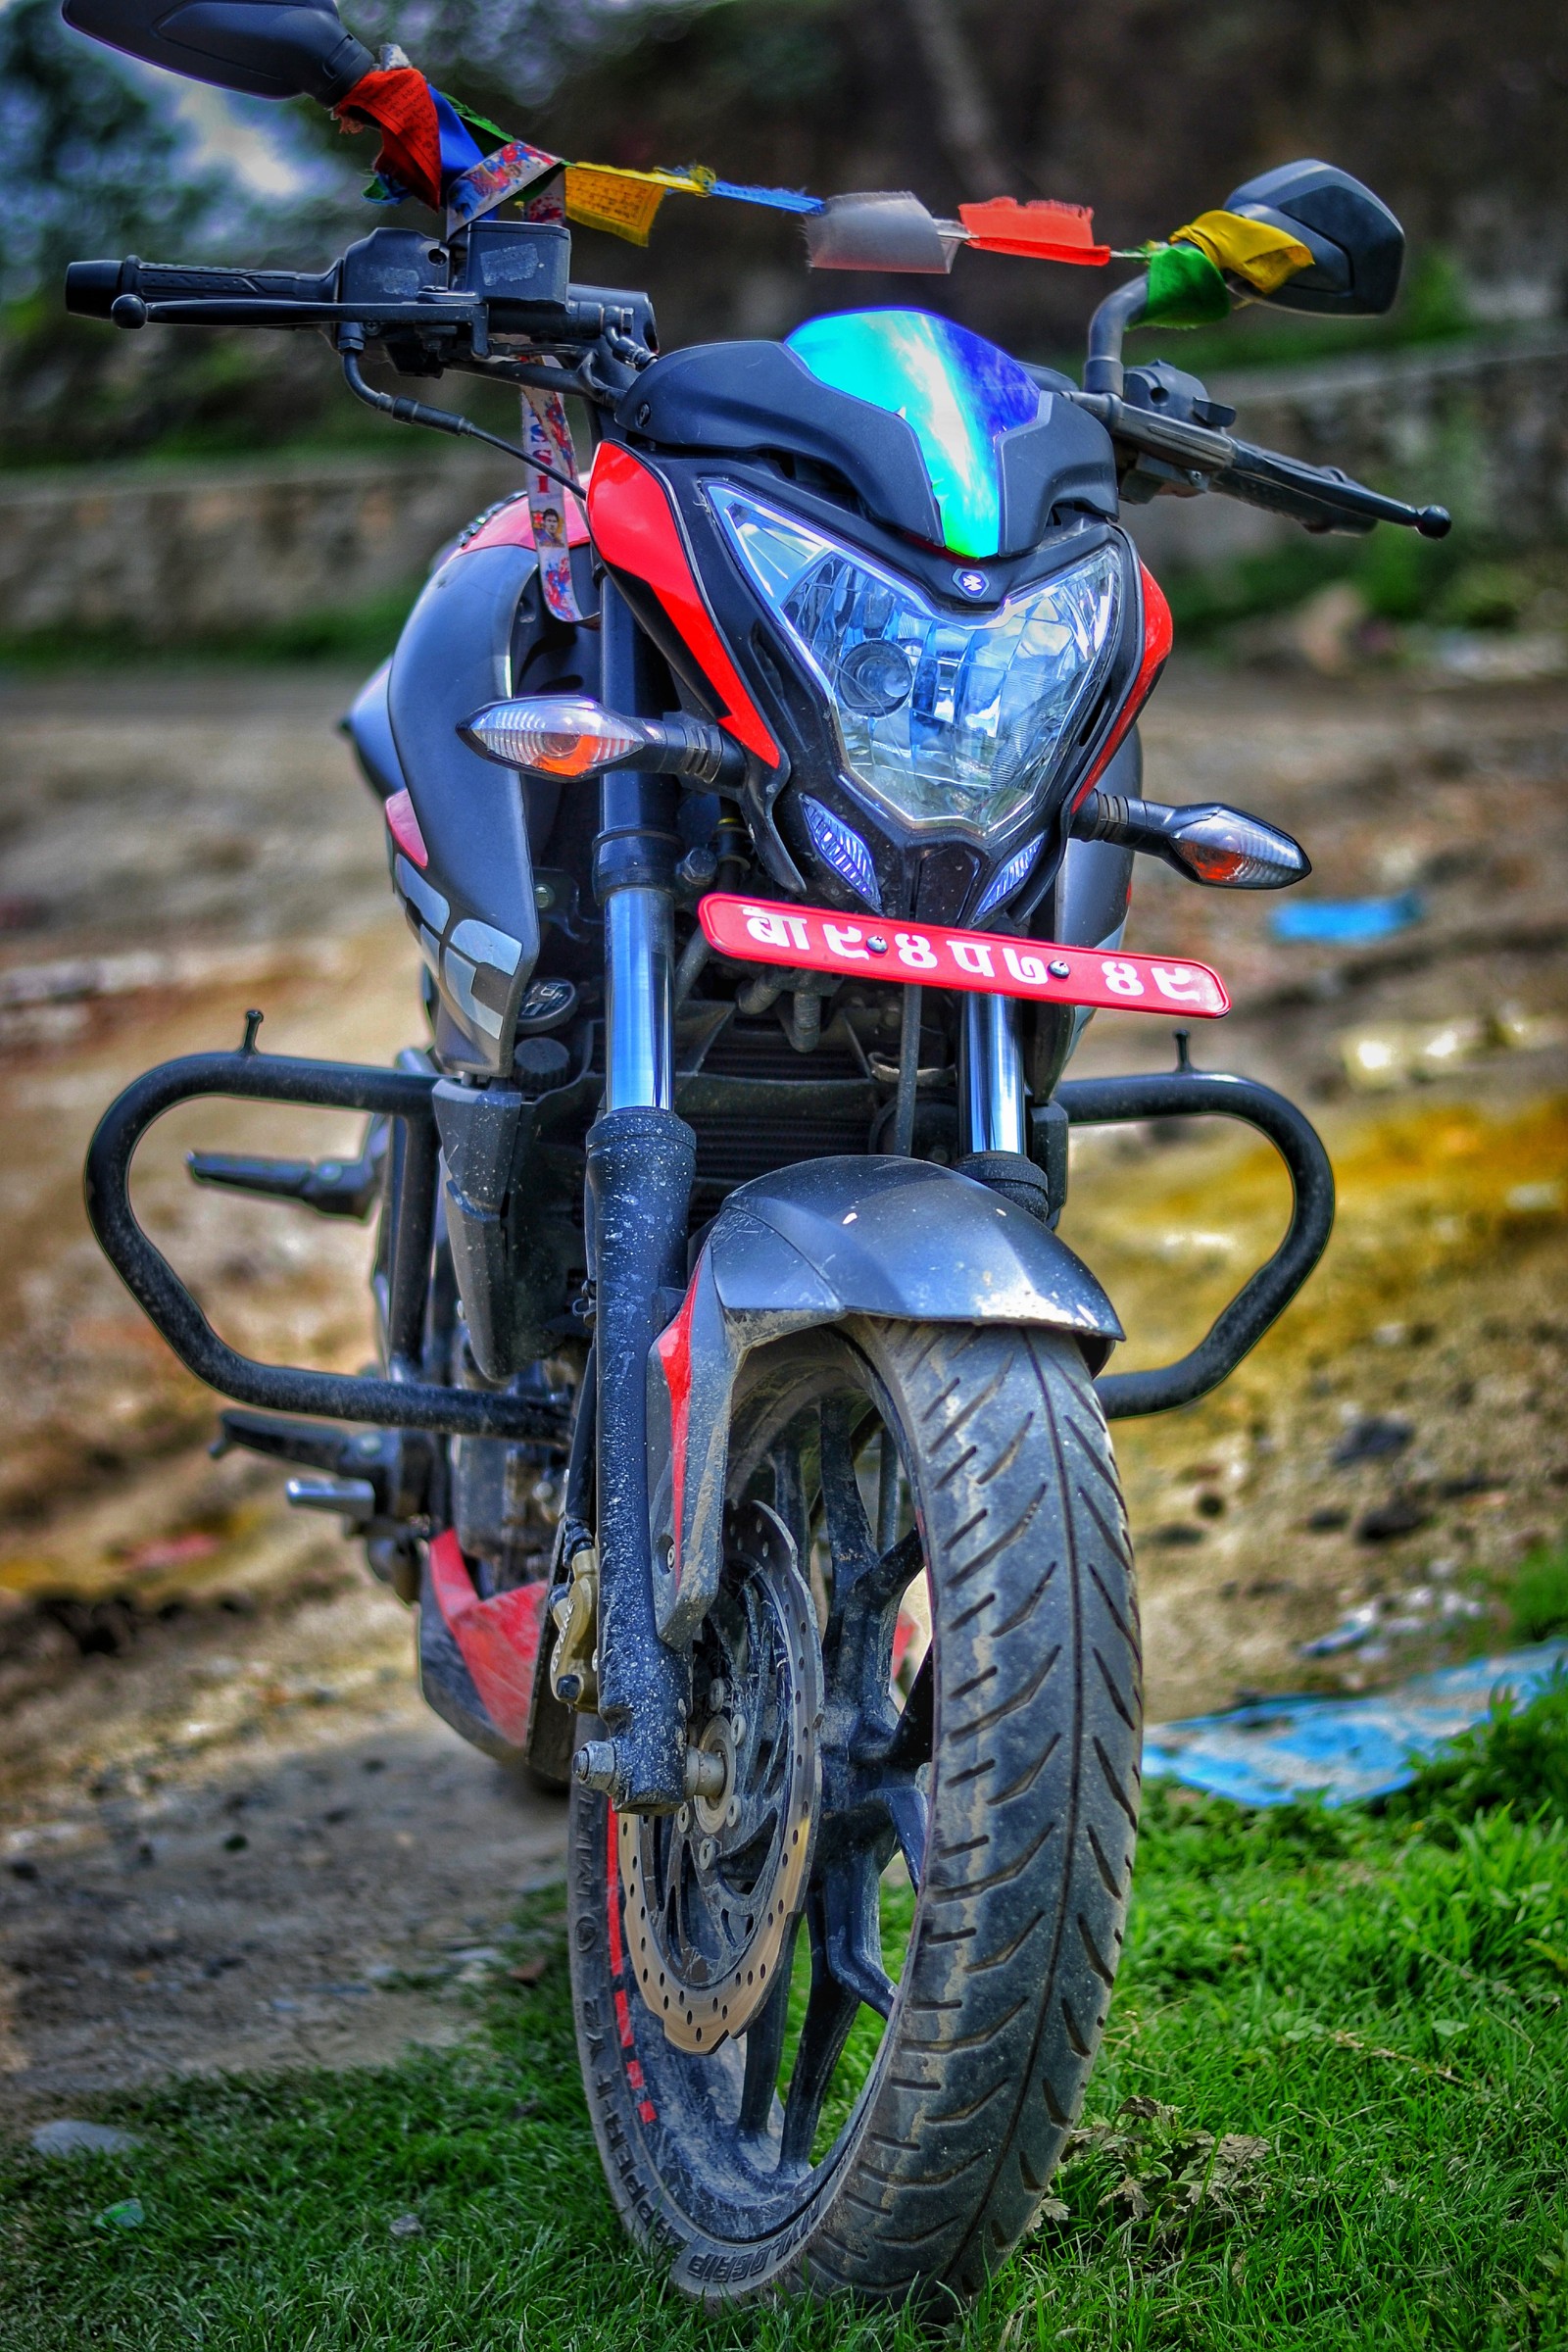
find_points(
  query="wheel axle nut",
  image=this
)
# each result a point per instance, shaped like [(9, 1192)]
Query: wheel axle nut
[(594, 1766), (706, 1773)]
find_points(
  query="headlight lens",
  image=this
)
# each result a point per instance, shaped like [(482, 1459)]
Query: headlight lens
[(951, 723)]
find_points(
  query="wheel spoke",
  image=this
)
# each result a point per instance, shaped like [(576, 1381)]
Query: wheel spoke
[(887, 1493), (789, 1499), (849, 1531), (910, 1743), (907, 1810), (853, 1928), (898, 1567), (764, 2047), (829, 2015)]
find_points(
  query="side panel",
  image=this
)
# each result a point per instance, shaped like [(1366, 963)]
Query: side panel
[(473, 909)]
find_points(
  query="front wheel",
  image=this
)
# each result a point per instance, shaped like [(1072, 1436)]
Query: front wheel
[(929, 1864)]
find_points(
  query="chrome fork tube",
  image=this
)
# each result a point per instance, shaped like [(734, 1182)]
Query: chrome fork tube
[(639, 1051), (990, 1088)]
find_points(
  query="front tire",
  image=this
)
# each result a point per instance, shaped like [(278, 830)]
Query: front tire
[(924, 2172)]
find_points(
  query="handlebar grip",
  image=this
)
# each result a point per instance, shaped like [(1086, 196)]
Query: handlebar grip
[(92, 288)]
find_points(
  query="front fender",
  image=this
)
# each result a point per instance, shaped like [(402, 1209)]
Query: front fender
[(810, 1246)]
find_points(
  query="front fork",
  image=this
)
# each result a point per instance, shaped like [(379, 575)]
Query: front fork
[(641, 1163), (992, 1098)]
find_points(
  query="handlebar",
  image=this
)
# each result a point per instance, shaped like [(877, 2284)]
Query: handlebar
[(361, 297)]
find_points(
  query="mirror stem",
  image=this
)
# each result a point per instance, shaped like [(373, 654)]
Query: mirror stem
[(1119, 311)]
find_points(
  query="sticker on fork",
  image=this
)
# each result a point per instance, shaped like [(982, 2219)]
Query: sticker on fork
[(815, 939)]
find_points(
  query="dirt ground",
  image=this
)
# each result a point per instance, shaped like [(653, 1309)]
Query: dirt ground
[(229, 1835)]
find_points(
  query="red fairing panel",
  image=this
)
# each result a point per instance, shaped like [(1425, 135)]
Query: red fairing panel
[(512, 525), (636, 530), (1159, 638), (499, 1638), (674, 1347), (1041, 971)]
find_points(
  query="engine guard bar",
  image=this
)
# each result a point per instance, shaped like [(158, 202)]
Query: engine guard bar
[(400, 1402), (1185, 1093)]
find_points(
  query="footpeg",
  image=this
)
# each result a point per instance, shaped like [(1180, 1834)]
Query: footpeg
[(386, 1473), (352, 1499), (333, 1188)]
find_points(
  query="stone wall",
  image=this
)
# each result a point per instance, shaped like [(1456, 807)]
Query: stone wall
[(1481, 428), (171, 553)]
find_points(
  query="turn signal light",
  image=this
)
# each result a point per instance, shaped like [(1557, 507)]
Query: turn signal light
[(569, 735), (553, 735), (1208, 843)]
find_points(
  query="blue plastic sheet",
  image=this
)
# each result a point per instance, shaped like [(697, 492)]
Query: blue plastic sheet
[(1347, 923), (1344, 1749)]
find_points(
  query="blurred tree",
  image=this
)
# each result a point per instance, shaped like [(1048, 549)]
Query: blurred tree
[(1148, 110), (94, 160), (89, 161)]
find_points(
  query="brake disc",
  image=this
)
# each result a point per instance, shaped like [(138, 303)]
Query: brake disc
[(712, 1890)]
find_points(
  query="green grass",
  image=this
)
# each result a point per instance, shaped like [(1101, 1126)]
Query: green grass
[(1537, 1595), (1331, 2111)]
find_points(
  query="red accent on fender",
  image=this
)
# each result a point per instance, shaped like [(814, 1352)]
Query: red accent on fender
[(499, 1638), (1159, 638), (404, 827), (617, 1956), (674, 1345), (636, 529), (512, 525), (1040, 971)]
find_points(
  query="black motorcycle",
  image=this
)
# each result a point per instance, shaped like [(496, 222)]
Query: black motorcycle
[(765, 823)]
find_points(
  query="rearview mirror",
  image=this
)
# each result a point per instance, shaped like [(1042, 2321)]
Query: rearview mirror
[(266, 48), (1357, 246)]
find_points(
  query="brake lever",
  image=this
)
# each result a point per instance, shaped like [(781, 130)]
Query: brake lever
[(1263, 476), (133, 311), (1217, 460)]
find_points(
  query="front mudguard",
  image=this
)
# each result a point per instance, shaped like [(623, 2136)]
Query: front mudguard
[(809, 1245)]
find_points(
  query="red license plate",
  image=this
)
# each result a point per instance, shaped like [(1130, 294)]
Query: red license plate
[(813, 940)]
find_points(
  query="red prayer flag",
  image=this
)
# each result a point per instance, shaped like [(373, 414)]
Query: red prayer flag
[(1043, 231), (402, 106)]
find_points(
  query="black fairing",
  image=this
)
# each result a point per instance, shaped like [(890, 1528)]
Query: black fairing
[(473, 909), (266, 48), (759, 400), (368, 724), (936, 880)]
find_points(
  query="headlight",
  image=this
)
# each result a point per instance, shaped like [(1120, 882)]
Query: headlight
[(951, 723)]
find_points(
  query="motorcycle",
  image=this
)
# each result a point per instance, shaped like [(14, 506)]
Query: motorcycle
[(765, 818)]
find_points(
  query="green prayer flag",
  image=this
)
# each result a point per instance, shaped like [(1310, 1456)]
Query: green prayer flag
[(1185, 289)]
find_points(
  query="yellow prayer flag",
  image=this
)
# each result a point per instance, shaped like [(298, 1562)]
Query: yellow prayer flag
[(625, 203), (1264, 255)]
